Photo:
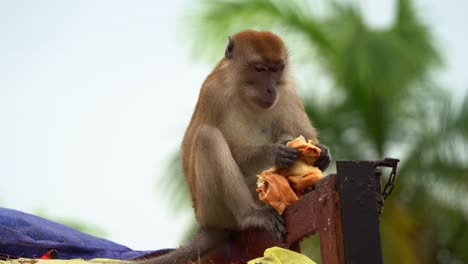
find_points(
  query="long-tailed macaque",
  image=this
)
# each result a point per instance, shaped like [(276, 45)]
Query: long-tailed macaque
[(246, 112)]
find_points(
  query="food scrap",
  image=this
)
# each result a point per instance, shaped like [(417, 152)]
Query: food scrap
[(282, 187)]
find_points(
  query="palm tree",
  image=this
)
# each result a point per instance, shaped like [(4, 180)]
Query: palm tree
[(380, 101)]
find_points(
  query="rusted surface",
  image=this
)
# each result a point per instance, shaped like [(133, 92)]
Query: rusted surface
[(329, 221), (296, 246), (301, 219), (343, 210)]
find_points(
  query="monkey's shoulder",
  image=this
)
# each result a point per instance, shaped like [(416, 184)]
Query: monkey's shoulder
[(247, 131)]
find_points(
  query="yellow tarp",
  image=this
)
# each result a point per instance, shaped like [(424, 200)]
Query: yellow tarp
[(277, 255)]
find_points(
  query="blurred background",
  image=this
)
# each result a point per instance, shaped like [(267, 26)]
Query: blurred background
[(95, 97)]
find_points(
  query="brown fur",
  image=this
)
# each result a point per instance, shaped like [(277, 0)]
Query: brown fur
[(232, 137)]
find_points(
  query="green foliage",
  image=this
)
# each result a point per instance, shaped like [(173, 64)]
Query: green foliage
[(383, 102), (310, 249), (76, 224), (175, 185)]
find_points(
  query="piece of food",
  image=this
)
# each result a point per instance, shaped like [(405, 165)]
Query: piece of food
[(305, 180), (282, 187), (309, 152), (274, 189)]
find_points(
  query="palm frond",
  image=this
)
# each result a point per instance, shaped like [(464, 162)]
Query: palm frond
[(215, 20), (174, 185), (461, 120)]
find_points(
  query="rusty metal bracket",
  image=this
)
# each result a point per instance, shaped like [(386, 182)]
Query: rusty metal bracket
[(390, 185)]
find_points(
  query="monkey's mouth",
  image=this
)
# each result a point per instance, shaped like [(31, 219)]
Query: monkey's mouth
[(265, 104)]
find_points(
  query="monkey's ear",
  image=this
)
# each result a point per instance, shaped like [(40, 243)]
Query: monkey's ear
[(229, 48)]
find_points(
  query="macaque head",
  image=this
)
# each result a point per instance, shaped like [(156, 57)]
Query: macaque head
[(259, 59)]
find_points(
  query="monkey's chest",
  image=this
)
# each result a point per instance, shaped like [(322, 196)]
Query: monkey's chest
[(250, 135), (249, 131), (259, 135)]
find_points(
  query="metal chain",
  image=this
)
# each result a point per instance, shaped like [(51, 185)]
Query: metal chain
[(388, 189), (390, 185)]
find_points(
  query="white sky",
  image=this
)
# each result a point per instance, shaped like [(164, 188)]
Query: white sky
[(95, 97)]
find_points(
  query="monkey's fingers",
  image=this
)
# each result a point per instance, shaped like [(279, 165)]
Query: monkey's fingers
[(288, 152), (324, 159), (286, 157), (279, 227), (285, 163)]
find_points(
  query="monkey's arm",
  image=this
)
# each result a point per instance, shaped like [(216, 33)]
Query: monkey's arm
[(292, 121), (284, 137), (290, 128), (254, 158)]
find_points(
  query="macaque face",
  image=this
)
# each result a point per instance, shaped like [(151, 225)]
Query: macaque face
[(261, 82)]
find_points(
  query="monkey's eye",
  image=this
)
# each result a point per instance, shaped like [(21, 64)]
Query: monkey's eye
[(260, 68), (278, 68)]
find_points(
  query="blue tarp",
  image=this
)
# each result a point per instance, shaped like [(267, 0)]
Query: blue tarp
[(29, 236)]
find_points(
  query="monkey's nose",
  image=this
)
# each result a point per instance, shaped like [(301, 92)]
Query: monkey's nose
[(269, 90)]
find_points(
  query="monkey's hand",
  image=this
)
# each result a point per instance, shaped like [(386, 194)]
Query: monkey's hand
[(285, 139), (267, 218), (283, 156), (324, 159)]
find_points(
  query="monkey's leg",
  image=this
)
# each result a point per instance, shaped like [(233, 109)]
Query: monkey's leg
[(203, 241), (223, 199)]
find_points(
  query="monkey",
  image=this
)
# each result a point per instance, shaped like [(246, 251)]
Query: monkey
[(247, 110)]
